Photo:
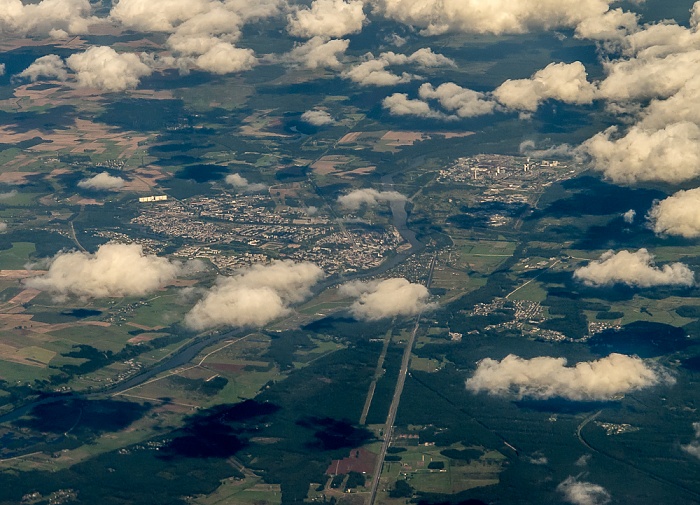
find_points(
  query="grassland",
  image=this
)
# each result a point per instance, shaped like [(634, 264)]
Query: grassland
[(16, 257)]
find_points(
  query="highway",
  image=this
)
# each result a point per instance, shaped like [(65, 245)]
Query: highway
[(393, 409)]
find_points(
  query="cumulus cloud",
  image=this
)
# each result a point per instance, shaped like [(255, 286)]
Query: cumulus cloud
[(671, 154), (544, 377), (103, 68), (241, 183), (559, 81), (102, 181), (370, 197), (678, 214), (317, 117), (494, 16), (693, 448), (224, 58), (57, 18), (50, 66), (629, 216), (114, 270), (156, 15), (2, 69), (373, 71), (567, 82), (645, 78), (387, 298), (614, 25), (327, 18), (202, 32), (399, 104), (636, 269), (254, 296), (682, 106), (3, 227), (583, 493), (319, 53), (462, 101)]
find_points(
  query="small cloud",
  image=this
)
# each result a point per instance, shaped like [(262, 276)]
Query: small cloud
[(387, 298), (583, 460), (254, 296), (103, 68), (629, 216), (539, 461), (318, 52), (327, 18), (635, 269), (370, 197), (693, 448), (102, 181), (50, 66), (241, 183), (544, 377), (114, 270), (678, 215), (583, 493), (317, 117), (3, 227)]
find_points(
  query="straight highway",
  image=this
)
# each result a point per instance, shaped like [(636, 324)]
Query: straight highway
[(393, 409)]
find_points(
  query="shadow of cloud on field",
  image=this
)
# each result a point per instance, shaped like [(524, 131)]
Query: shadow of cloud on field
[(83, 417), (332, 434), (218, 432)]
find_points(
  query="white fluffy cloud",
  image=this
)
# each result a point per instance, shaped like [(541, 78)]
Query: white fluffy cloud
[(157, 15), (202, 32), (399, 104), (370, 197), (458, 102), (50, 66), (614, 25), (629, 216), (644, 78), (102, 181), (679, 214), (494, 16), (462, 101), (327, 18), (373, 71), (317, 117), (319, 52), (254, 296), (567, 82), (634, 269), (57, 18), (583, 493), (241, 183), (224, 58), (558, 81), (103, 68), (387, 298), (114, 270), (2, 69), (545, 377), (693, 448), (671, 154)]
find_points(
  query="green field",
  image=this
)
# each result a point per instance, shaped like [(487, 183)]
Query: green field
[(16, 257)]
